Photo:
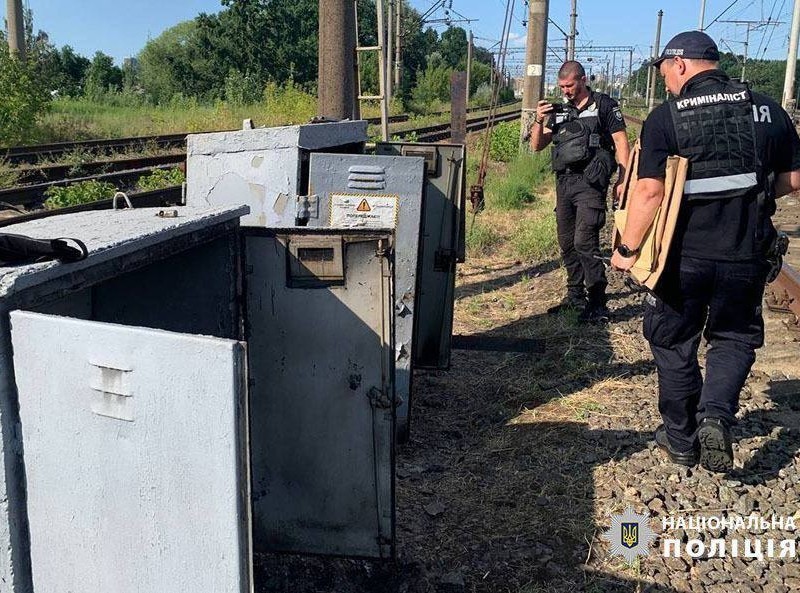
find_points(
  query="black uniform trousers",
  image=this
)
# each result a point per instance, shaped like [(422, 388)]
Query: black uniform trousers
[(580, 216), (721, 301)]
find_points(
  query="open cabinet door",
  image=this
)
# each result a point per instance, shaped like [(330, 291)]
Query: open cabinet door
[(135, 457), (319, 310)]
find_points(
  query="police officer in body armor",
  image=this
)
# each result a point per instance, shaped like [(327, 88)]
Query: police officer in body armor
[(743, 153), (587, 132)]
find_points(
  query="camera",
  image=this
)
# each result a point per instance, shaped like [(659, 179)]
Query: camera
[(558, 107)]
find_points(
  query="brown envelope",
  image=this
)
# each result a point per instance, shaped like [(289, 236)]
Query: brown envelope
[(655, 247)]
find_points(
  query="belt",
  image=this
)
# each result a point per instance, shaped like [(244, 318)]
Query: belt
[(572, 171)]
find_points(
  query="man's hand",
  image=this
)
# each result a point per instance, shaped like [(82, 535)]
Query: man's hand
[(543, 109), (623, 264), (619, 190)]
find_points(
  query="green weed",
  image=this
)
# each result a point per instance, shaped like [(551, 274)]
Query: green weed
[(536, 239), (481, 239), (78, 193), (161, 178)]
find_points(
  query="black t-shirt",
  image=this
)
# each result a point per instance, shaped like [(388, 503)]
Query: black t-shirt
[(720, 229), (601, 106)]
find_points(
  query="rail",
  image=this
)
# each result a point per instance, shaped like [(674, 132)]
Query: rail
[(31, 154)]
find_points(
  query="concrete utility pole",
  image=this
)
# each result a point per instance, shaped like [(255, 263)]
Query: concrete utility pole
[(630, 72), (651, 99), (702, 25), (613, 72), (791, 60), (469, 62), (398, 55), (535, 61), (573, 31), (649, 73), (390, 51), (337, 55), (16, 28)]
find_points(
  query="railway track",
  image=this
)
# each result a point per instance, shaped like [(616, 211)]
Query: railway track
[(32, 195), (124, 172), (16, 155)]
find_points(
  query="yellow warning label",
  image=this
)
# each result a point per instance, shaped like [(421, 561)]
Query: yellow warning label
[(350, 211)]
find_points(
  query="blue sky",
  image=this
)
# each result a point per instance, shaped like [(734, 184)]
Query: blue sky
[(121, 29)]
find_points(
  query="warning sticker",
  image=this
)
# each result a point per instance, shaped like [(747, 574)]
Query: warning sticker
[(364, 211)]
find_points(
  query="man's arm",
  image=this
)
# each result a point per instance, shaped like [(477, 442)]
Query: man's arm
[(642, 206), (623, 152), (787, 183), (540, 135)]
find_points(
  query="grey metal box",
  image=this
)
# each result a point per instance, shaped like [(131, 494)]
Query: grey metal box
[(141, 434), (443, 224), (104, 499), (321, 368), (367, 191), (265, 168)]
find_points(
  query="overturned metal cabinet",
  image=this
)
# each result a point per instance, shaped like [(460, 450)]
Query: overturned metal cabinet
[(265, 168), (155, 377), (128, 386), (319, 331), (367, 191), (442, 246)]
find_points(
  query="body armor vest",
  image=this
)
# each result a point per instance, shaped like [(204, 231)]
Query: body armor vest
[(576, 139), (715, 130)]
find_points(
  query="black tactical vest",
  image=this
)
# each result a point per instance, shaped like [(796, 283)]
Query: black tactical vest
[(576, 139), (715, 130)]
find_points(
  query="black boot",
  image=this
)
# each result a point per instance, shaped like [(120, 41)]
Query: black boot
[(687, 458), (596, 310), (574, 301), (716, 450)]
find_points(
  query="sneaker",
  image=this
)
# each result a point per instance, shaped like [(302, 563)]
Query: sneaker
[(689, 458), (716, 450), (571, 302)]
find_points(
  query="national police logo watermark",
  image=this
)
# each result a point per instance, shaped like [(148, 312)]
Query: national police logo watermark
[(630, 535)]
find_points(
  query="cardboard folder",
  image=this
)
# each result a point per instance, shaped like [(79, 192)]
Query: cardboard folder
[(655, 247)]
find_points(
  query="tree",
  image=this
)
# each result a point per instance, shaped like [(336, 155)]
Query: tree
[(102, 76), (23, 99), (453, 47)]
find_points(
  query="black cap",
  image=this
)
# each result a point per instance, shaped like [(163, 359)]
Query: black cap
[(694, 45)]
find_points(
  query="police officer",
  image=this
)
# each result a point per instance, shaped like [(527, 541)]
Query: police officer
[(587, 132), (743, 152)]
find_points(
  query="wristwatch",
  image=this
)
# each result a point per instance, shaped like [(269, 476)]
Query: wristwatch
[(626, 251)]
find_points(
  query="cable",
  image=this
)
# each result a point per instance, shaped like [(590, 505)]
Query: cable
[(731, 5), (769, 20), (772, 30)]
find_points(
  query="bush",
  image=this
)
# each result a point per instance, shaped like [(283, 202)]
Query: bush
[(520, 182), (78, 193), (482, 95), (242, 89), (504, 144), (22, 99), (161, 178), (288, 103)]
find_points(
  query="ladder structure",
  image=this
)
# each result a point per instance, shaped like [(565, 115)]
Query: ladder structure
[(382, 70)]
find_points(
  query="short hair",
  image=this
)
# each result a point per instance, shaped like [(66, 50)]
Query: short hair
[(571, 69), (702, 63)]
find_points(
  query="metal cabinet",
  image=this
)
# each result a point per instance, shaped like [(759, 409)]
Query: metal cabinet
[(189, 393), (318, 327), (442, 245), (265, 168), (367, 191)]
